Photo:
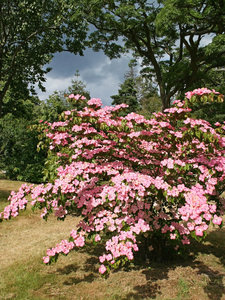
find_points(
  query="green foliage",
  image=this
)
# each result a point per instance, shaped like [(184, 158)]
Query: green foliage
[(215, 80), (211, 112), (150, 105), (30, 33), (138, 92), (127, 94), (20, 132), (18, 141), (50, 109), (168, 35), (199, 28), (18, 150), (20, 104)]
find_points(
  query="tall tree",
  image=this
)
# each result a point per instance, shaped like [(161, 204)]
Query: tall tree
[(136, 91), (78, 87), (167, 34), (30, 32), (149, 99), (128, 92)]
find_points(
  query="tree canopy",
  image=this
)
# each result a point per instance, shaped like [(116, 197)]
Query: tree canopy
[(31, 31), (179, 41), (20, 129), (138, 92), (128, 92)]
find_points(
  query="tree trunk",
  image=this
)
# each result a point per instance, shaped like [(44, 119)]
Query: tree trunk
[(164, 98), (165, 102)]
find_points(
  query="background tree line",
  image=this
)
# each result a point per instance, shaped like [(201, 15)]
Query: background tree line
[(180, 43), (19, 157)]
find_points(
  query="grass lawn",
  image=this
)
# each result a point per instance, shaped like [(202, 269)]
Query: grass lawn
[(24, 240)]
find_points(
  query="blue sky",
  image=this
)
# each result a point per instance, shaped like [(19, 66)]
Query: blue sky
[(101, 75)]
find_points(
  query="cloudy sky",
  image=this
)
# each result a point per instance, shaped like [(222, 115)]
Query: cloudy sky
[(101, 75)]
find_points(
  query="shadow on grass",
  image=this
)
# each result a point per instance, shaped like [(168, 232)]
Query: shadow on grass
[(4, 194), (214, 288), (89, 268), (217, 240), (151, 288), (155, 272), (215, 246), (72, 269)]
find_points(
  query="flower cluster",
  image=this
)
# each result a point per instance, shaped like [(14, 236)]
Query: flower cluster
[(76, 97), (129, 178), (202, 96), (200, 92), (17, 202)]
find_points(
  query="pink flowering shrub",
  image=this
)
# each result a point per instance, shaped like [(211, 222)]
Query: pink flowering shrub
[(206, 104), (130, 179), (195, 99)]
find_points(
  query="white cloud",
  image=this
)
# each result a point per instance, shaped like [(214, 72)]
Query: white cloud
[(106, 79), (207, 39), (102, 77), (103, 88), (54, 84)]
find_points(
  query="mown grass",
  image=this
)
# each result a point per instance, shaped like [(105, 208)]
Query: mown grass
[(24, 240)]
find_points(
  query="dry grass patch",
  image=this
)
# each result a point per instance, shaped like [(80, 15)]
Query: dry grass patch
[(24, 240)]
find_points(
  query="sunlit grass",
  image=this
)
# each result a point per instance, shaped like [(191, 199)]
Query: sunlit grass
[(21, 280), (183, 289)]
